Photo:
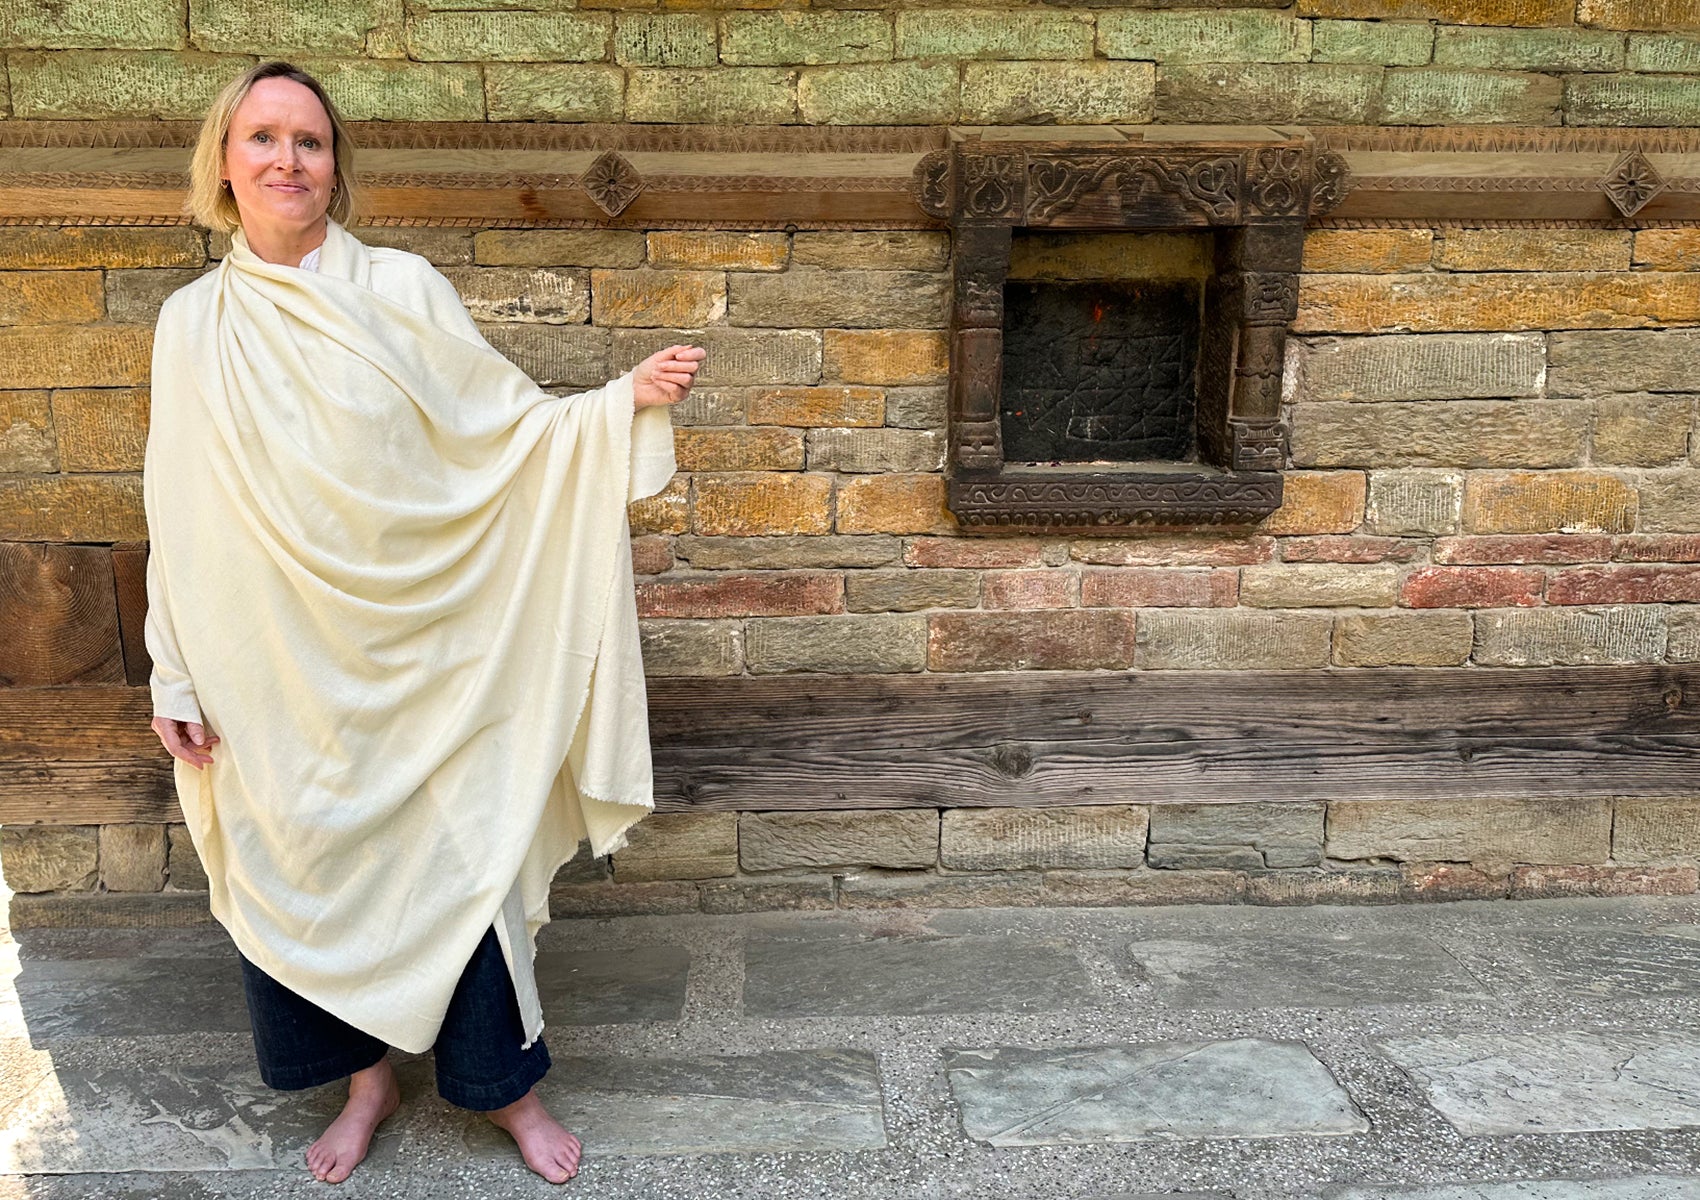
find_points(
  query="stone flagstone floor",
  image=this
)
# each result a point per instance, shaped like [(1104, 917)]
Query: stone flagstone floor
[(1539, 1050)]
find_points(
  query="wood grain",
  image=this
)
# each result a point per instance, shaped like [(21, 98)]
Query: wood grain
[(60, 615), (86, 755), (130, 581)]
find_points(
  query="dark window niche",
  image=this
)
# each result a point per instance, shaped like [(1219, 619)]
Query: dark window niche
[(1127, 391), (1099, 372)]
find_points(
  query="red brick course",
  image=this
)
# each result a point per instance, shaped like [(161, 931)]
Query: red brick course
[(1524, 548), (737, 594), (1624, 585), (1159, 587), (1472, 587)]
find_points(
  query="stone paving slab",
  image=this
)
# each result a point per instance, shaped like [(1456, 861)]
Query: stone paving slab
[(1556, 1082), (608, 987), (125, 997), (912, 976), (1303, 970), (1243, 1088), (779, 1101), (1643, 1187), (1617, 962), (176, 1116), (1409, 1150)]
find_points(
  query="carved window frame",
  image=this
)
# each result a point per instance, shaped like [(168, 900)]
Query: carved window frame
[(1254, 189)]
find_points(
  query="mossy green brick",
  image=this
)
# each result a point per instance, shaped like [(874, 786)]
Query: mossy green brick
[(665, 40), (510, 37), (903, 93), (273, 27), (804, 38), (1657, 52), (1208, 37), (986, 33), (99, 84), (1630, 100), (718, 96), (1441, 96), (1063, 93), (554, 92), (387, 90), (92, 24), (1389, 43), (1528, 49), (1214, 93)]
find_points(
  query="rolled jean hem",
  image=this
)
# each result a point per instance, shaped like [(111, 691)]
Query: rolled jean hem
[(326, 1070), (486, 1097)]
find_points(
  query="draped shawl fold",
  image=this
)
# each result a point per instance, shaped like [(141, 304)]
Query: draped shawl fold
[(395, 577)]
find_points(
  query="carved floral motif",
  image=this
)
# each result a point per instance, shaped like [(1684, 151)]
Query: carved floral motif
[(1209, 186), (1277, 188), (611, 182), (1632, 182)]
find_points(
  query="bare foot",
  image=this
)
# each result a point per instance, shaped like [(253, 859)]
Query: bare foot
[(372, 1097), (547, 1148)]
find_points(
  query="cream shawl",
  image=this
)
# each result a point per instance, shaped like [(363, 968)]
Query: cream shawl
[(395, 577)]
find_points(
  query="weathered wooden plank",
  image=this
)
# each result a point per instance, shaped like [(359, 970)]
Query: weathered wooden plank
[(130, 580), (109, 723), (78, 755), (88, 793), (943, 711), (1037, 774), (60, 615)]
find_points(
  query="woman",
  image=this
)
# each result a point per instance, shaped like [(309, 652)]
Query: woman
[(395, 578)]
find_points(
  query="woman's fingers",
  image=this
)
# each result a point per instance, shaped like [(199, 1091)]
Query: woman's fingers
[(177, 738)]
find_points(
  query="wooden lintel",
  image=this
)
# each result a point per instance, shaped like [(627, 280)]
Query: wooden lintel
[(423, 173)]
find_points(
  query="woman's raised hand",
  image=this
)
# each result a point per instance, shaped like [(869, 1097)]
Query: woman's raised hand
[(187, 740), (665, 377)]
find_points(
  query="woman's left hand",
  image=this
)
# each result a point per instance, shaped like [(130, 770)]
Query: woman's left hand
[(665, 377)]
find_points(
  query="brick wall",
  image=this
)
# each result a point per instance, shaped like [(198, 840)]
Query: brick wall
[(1494, 449), (1398, 62), (1494, 464), (1493, 429)]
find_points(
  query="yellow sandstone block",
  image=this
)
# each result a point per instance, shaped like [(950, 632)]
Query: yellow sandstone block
[(757, 503), (72, 508), (894, 504), (1668, 249), (893, 357), (1368, 251), (1535, 250), (1319, 502), (717, 251), (101, 429), (50, 297), (1508, 300), (34, 356), (59, 249), (668, 511), (1548, 502)]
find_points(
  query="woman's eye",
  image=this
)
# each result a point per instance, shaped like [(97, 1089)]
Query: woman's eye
[(262, 137), (309, 143)]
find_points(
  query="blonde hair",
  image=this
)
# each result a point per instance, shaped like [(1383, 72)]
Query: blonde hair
[(210, 203)]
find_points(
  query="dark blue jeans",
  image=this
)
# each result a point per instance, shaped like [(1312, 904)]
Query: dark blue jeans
[(479, 1061)]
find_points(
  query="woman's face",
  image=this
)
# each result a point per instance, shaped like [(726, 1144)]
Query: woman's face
[(278, 157)]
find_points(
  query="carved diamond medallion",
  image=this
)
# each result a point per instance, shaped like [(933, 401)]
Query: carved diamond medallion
[(1632, 182), (611, 182)]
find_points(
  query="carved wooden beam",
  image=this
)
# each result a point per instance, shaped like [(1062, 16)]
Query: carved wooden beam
[(453, 173)]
